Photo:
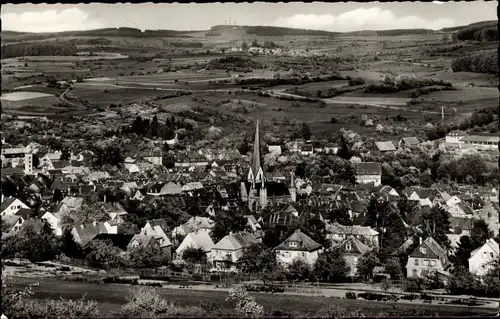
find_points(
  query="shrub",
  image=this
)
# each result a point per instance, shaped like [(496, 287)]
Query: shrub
[(350, 295), (245, 304), (62, 308)]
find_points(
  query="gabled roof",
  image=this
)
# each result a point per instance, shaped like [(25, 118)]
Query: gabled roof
[(410, 141), (87, 232), (25, 213), (200, 240), (10, 220), (159, 222), (457, 133), (492, 244), (304, 243), (357, 247), (336, 228), (118, 240), (236, 241), (385, 146), (430, 243), (6, 203), (369, 168)]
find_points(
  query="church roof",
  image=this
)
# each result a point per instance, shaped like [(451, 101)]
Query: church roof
[(256, 162)]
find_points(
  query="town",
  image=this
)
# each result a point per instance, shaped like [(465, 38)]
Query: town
[(216, 205)]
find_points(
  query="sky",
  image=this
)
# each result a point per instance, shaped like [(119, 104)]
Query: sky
[(340, 17)]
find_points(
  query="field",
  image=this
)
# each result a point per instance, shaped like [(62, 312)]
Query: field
[(111, 297)]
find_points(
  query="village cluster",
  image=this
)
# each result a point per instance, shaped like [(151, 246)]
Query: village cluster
[(220, 180)]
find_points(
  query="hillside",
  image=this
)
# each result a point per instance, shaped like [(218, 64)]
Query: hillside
[(483, 31)]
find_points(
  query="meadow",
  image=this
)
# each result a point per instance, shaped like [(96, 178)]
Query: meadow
[(112, 296)]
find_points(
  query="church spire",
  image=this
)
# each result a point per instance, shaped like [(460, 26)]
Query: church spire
[(256, 163)]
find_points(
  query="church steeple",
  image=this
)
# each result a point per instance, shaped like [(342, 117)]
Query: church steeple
[(256, 173)]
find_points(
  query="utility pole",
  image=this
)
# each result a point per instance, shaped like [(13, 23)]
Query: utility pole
[(442, 112)]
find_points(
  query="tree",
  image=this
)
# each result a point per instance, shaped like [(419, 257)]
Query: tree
[(232, 220), (462, 253), (244, 148), (69, 246), (255, 43), (128, 228), (366, 263), (479, 233), (147, 257), (194, 255), (409, 211), (244, 45), (257, 259), (394, 234), (340, 215), (393, 267), (305, 131), (331, 266), (436, 224), (298, 270), (103, 252), (32, 244)]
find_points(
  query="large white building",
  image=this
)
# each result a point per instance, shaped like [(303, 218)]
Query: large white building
[(480, 261)]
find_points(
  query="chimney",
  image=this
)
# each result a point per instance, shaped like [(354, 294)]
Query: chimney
[(420, 240), (104, 197)]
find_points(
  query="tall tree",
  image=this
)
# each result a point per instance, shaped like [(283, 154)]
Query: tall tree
[(233, 220), (436, 224), (479, 233), (462, 253), (331, 266), (394, 234), (366, 264), (305, 131)]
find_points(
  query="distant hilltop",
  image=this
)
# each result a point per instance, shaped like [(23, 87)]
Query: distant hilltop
[(486, 30)]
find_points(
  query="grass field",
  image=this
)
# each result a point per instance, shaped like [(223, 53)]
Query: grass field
[(110, 297)]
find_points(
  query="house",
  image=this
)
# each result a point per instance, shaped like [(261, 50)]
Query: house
[(481, 141), (54, 220), (384, 147), (162, 189), (156, 227), (11, 224), (460, 209), (11, 205), (490, 214), (298, 246), (229, 249), (120, 241), (69, 204), (115, 211), (252, 223), (197, 240), (408, 142), (84, 233), (480, 261), (424, 196), (151, 241), (369, 172), (338, 233), (274, 149), (429, 256), (138, 195), (331, 148), (455, 136), (353, 249), (307, 150), (193, 224), (129, 188), (153, 158)]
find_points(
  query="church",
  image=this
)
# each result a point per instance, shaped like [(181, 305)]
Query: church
[(257, 190)]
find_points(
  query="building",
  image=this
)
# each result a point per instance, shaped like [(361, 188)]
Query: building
[(481, 141), (408, 142), (156, 227), (192, 225), (455, 136), (353, 250), (384, 147), (229, 250), (338, 233), (256, 189), (369, 173), (14, 157), (480, 261), (196, 240), (150, 242), (429, 256), (11, 224), (11, 205), (298, 246)]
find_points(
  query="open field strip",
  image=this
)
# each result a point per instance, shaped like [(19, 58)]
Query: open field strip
[(21, 96)]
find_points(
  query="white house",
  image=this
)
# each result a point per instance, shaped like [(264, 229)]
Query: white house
[(197, 240), (11, 205), (369, 173), (455, 136), (338, 233), (12, 223), (274, 149), (156, 227), (193, 224), (54, 220), (229, 250), (298, 246), (480, 259), (429, 256)]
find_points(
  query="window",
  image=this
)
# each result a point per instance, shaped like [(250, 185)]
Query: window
[(304, 254), (414, 273), (423, 250), (292, 244), (348, 247), (416, 262), (433, 263), (287, 254), (491, 255), (425, 262)]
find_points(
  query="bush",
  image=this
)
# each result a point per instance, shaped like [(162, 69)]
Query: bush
[(485, 61), (62, 308), (350, 295), (120, 280)]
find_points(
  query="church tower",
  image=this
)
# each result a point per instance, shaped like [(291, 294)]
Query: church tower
[(256, 176)]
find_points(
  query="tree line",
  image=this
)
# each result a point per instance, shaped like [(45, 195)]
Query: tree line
[(50, 48), (484, 61)]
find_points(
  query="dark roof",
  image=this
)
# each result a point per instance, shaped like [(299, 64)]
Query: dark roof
[(369, 168), (12, 171), (410, 141), (434, 250), (26, 213), (305, 243), (357, 247), (276, 189), (119, 240), (6, 203)]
